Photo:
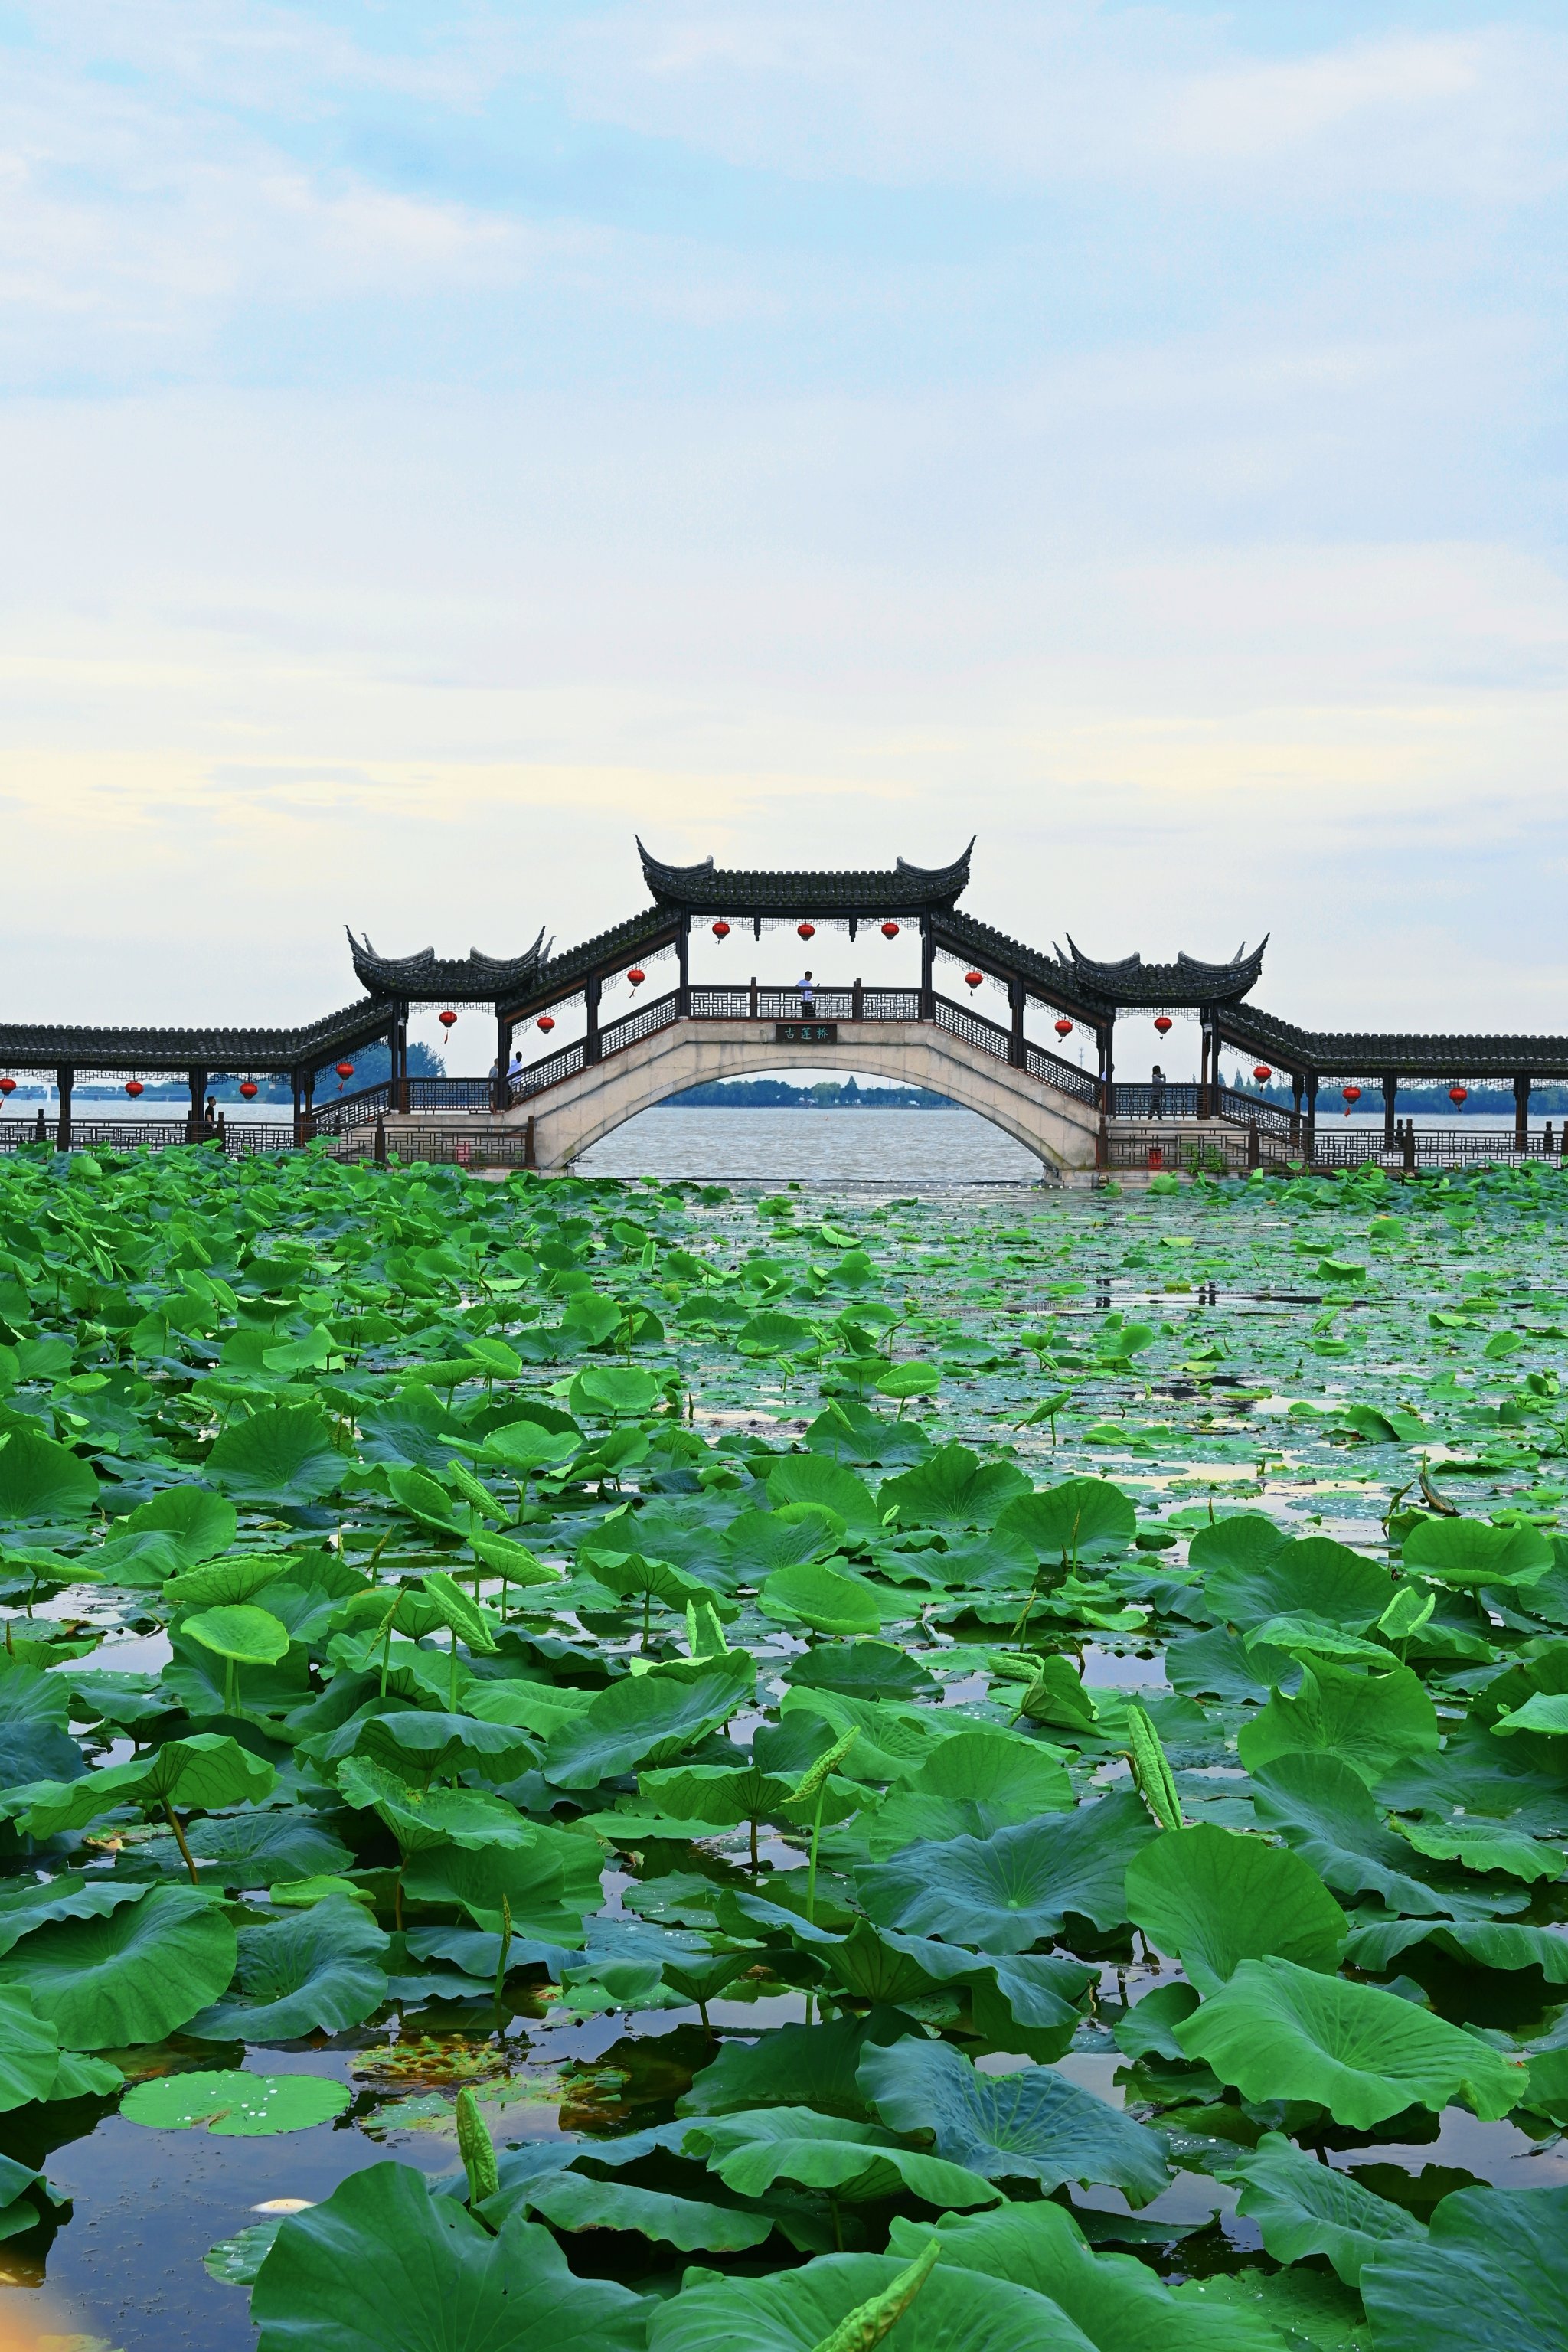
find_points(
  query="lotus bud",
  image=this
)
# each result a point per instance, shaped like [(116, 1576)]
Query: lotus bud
[(860, 2329), (477, 2149), (1152, 1771)]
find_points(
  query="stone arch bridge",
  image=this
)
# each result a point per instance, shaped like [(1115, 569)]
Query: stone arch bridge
[(542, 1111)]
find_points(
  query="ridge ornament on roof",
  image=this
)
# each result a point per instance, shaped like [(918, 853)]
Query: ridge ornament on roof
[(1189, 980), (426, 977), (903, 889)]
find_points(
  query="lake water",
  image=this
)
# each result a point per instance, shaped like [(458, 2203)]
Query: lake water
[(826, 1146)]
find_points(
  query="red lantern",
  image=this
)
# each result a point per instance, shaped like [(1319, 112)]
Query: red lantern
[(1162, 1024), (720, 930), (249, 1089), (7, 1086), (806, 930), (447, 1020), (1458, 1094), (547, 1021), (133, 1087), (973, 979), (1262, 1073), (345, 1071), (1064, 1027), (636, 976), (1351, 1094), (889, 931)]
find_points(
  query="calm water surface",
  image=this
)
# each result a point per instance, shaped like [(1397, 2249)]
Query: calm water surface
[(871, 1147)]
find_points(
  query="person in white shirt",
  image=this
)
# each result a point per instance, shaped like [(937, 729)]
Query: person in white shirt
[(803, 985)]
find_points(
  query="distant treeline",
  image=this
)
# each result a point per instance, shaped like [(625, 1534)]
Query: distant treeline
[(1482, 1101), (826, 1094)]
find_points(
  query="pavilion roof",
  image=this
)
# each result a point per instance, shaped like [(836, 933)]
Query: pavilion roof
[(426, 978), (1409, 1054), (709, 890)]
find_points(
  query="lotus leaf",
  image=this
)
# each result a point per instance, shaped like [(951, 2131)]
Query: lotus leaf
[(1215, 1899)]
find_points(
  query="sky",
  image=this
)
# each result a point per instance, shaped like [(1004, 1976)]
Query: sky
[(440, 443)]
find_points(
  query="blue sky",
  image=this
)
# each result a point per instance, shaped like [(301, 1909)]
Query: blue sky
[(440, 442)]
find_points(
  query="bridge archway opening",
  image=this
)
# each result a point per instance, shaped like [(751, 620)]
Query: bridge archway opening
[(878, 1135)]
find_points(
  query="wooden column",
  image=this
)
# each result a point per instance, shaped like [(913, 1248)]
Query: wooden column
[(501, 1092), (1522, 1112), (1310, 1141), (196, 1126), (857, 999), (683, 954), (592, 989), (296, 1084), (1015, 1042), (928, 970), (1106, 1037), (1390, 1089), (752, 1009), (1297, 1084), (65, 1077)]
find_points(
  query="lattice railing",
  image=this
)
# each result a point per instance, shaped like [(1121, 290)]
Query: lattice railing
[(642, 1020)]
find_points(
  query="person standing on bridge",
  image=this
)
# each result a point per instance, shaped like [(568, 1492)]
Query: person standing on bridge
[(1157, 1092), (803, 985)]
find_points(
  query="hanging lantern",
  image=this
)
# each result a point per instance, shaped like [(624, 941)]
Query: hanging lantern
[(889, 931), (806, 931), (447, 1019), (1351, 1096), (547, 1021), (249, 1089), (1262, 1073), (7, 1086), (1064, 1027), (1162, 1024), (345, 1071), (133, 1087), (636, 976), (973, 979), (1456, 1094), (720, 929)]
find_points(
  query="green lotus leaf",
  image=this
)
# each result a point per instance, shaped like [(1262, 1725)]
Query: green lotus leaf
[(952, 1488), (810, 2065), (1482, 1943), (1545, 1711), (1370, 1721), (752, 2150), (281, 1454), (1314, 1578), (423, 1818), (252, 1637), (521, 1448), (1490, 2275), (34, 1706), (208, 1770), (265, 1849), (131, 1975), (827, 1599), (891, 1740), (808, 1478), (809, 2309), (1279, 2031), (571, 2201), (34, 2066), (317, 1971), (648, 1720), (1029, 2125), (614, 1391), (1470, 1552), (547, 1883), (1083, 1518), (420, 1743), (1117, 2302), (382, 2262), (199, 1524), (235, 2105), (1242, 1539), (1212, 1898), (1305, 2208), (430, 1502), (1324, 1811), (1014, 1888), (223, 1581), (40, 1479), (758, 1543), (414, 1427), (908, 1379)]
